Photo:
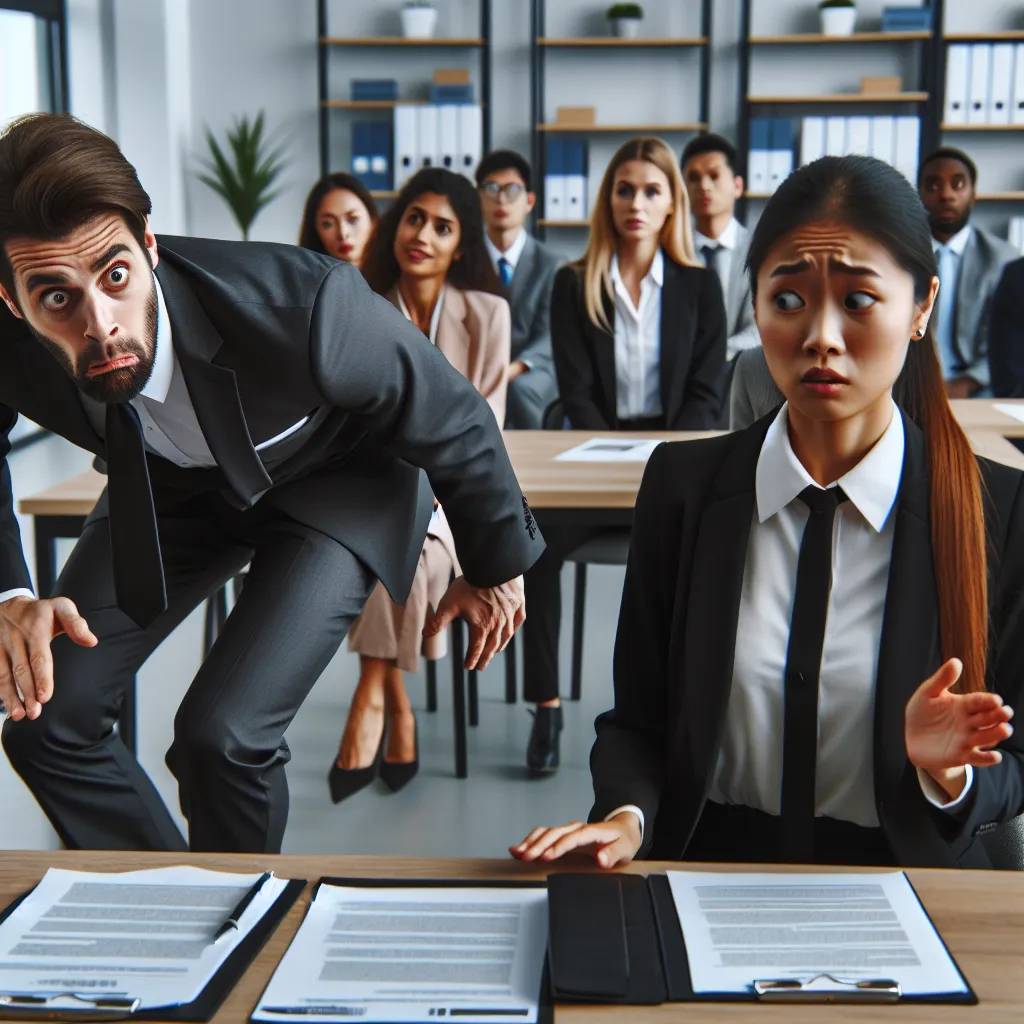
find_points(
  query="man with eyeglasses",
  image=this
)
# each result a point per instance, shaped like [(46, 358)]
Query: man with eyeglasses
[(527, 270)]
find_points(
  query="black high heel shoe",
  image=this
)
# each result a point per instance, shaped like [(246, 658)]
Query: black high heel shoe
[(346, 781), (397, 774)]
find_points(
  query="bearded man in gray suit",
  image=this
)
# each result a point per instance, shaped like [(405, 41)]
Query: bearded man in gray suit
[(527, 270)]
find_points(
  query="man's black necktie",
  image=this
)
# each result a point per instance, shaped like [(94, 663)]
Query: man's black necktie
[(134, 542), (803, 667), (711, 254)]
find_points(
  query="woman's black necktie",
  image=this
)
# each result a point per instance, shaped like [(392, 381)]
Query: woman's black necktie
[(134, 541), (803, 667)]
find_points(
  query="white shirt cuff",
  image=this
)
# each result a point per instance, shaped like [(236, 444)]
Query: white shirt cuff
[(635, 810), (936, 795), (6, 595)]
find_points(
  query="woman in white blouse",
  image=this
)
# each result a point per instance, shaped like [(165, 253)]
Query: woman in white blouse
[(638, 331), (823, 618)]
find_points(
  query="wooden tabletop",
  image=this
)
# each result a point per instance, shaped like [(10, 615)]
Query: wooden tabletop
[(980, 914), (986, 414), (548, 483)]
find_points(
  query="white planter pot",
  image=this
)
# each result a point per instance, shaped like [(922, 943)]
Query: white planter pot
[(838, 21), (625, 28), (419, 22)]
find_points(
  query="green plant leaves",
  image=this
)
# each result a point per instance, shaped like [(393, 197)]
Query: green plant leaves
[(244, 175)]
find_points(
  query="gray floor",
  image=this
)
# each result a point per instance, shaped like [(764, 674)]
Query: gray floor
[(436, 815)]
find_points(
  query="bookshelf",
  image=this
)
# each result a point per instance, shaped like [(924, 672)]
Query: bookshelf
[(921, 95), (544, 47), (328, 45), (965, 135)]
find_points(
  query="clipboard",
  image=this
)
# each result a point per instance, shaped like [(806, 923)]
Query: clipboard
[(617, 939), (204, 1006), (545, 1007)]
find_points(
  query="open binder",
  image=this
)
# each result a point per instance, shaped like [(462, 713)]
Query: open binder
[(92, 1006), (617, 939)]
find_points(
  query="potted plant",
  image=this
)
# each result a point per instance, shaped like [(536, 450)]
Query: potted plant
[(244, 180), (625, 19), (838, 17), (419, 19)]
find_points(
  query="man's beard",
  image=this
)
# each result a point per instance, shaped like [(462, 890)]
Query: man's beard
[(949, 227), (116, 386)]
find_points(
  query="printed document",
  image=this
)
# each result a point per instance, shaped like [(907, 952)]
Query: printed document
[(610, 449), (137, 934), (1016, 411), (742, 928), (413, 954)]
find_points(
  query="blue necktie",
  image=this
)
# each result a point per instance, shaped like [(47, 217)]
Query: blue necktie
[(948, 355), (505, 270)]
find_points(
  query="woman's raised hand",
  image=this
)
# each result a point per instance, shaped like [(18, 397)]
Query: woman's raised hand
[(610, 843), (945, 731)]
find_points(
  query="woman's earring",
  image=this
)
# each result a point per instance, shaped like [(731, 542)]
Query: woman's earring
[(918, 334)]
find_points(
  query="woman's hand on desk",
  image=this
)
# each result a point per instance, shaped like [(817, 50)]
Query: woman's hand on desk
[(611, 843), (946, 731), (26, 628)]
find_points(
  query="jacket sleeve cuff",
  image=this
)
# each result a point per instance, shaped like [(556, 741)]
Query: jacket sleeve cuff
[(936, 795), (6, 595), (634, 810)]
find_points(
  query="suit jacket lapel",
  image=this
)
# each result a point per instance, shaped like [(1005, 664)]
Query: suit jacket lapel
[(603, 344), (969, 295), (524, 269), (670, 342), (452, 336), (909, 652), (711, 607), (734, 290), (212, 388)]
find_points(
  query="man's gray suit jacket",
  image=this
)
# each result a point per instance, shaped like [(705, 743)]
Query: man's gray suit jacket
[(981, 266), (268, 334), (530, 298)]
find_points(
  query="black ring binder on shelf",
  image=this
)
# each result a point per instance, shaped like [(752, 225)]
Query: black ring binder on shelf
[(617, 939), (202, 1008)]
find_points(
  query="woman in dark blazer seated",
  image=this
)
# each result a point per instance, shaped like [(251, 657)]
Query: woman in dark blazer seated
[(822, 627), (638, 331)]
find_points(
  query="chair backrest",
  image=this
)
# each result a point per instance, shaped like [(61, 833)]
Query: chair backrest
[(554, 416), (1005, 845)]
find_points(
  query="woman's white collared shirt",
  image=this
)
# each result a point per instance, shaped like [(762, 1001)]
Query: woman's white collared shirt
[(638, 343)]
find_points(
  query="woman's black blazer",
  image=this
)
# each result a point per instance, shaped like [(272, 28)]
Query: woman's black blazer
[(676, 641), (693, 333)]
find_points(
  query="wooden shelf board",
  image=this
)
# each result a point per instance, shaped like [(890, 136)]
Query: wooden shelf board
[(757, 195), (384, 193), (615, 42), (846, 97), (563, 223), (400, 41), (981, 127), (857, 37), (373, 104), (1000, 197), (983, 37), (627, 129)]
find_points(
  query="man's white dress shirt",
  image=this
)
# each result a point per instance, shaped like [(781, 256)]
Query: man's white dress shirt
[(511, 254), (638, 343), (749, 769)]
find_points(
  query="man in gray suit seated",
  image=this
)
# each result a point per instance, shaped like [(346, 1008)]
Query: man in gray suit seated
[(527, 270), (971, 261)]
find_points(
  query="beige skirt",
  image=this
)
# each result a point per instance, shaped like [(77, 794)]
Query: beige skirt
[(394, 632)]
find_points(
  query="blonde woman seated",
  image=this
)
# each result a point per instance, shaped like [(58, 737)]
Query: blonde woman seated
[(428, 258)]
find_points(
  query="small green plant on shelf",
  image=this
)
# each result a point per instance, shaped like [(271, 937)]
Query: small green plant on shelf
[(625, 19), (244, 179)]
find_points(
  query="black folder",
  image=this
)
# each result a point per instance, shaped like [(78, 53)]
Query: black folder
[(218, 988), (617, 939), (545, 1009)]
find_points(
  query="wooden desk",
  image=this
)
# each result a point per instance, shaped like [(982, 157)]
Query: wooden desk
[(982, 414), (980, 914)]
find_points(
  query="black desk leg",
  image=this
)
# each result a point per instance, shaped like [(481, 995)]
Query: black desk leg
[(510, 671), (431, 685), (579, 608), (459, 698), (474, 700)]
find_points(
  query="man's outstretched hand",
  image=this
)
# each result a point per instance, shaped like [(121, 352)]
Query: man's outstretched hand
[(493, 615), (26, 628)]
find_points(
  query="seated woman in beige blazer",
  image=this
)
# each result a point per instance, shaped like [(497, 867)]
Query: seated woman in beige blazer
[(428, 258)]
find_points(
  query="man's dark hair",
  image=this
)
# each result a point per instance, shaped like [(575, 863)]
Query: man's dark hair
[(474, 272), (504, 160), (711, 143), (950, 153), (56, 174)]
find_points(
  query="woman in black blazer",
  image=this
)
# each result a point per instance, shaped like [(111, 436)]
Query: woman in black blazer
[(638, 332), (911, 654)]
